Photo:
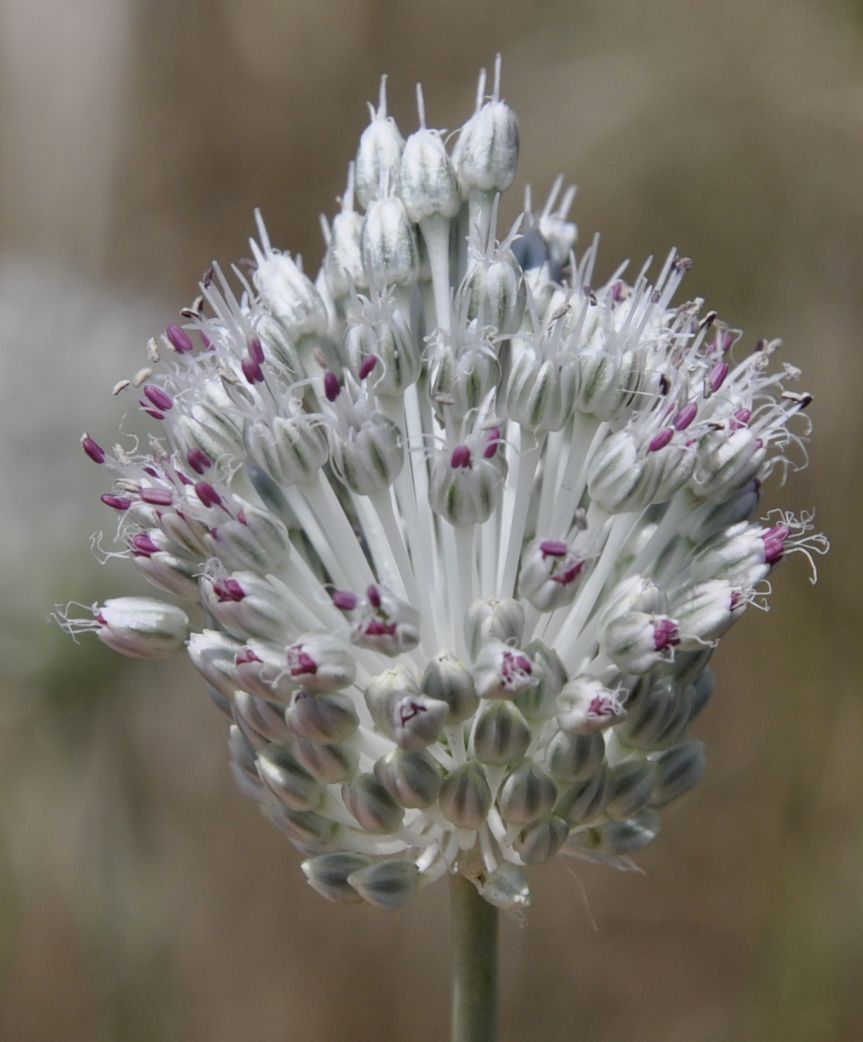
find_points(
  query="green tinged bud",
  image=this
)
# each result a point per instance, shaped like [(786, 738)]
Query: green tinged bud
[(328, 874), (501, 734), (448, 680), (371, 804), (630, 785), (677, 771), (492, 619), (388, 884), (575, 757), (412, 777), (465, 798), (506, 887), (327, 763), (527, 794), (585, 800), (287, 780), (540, 842), (328, 719)]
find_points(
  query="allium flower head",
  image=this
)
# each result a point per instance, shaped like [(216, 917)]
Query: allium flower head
[(463, 526)]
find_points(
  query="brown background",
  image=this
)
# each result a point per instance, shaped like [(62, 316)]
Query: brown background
[(140, 897)]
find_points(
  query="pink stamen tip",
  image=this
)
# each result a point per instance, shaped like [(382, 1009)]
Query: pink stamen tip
[(461, 457), (252, 370), (661, 440), (161, 399), (717, 376), (665, 635), (344, 600), (116, 502), (617, 292), (100, 618), (207, 494), (602, 706), (241, 517), (199, 461), (409, 711), (735, 600), (376, 628), (301, 662), (154, 414), (490, 451), (374, 597), (570, 574), (331, 386), (157, 497), (228, 590), (740, 419), (553, 548), (206, 341), (245, 656), (727, 341), (93, 449), (367, 366), (179, 339), (256, 350), (685, 417), (142, 545)]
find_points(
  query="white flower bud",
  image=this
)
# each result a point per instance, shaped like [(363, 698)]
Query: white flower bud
[(709, 518), (290, 296), (550, 574), (501, 734), (261, 722), (291, 450), (388, 884), (738, 555), (168, 571), (378, 163), (140, 627), (618, 837), (657, 713), (260, 668), (540, 392), (412, 777), (388, 243), (506, 887), (246, 605), (428, 183), (538, 703), (462, 379), (371, 457), (286, 780), (540, 841), (574, 757), (385, 691), (585, 800), (636, 641), (450, 681), (618, 479), (526, 795), (726, 463), (630, 783), (328, 719), (327, 763), (466, 485), (465, 798), (370, 803), (677, 771), (328, 875), (586, 706), (495, 292), (390, 348), (486, 153), (255, 540), (212, 654), (495, 620), (417, 721), (705, 611), (343, 263), (305, 828), (278, 347), (635, 593)]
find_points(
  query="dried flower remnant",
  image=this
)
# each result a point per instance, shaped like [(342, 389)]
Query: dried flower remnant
[(466, 526)]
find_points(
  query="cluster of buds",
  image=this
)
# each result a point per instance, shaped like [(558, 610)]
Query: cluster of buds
[(465, 526)]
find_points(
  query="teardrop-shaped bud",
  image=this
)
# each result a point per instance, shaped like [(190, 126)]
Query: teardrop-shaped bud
[(212, 653), (630, 783), (327, 763), (501, 734), (328, 719), (261, 722), (412, 777), (417, 721), (585, 800), (527, 794), (449, 680), (618, 837), (465, 797), (538, 702), (574, 757), (493, 619), (677, 771), (388, 884), (540, 841), (286, 780), (506, 887), (310, 831), (328, 874), (370, 803)]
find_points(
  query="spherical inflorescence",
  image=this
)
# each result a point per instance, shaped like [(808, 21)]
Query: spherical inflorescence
[(464, 527)]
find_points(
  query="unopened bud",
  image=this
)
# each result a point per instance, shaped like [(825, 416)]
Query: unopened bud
[(372, 457), (290, 295), (328, 874), (286, 780), (657, 713), (677, 771), (527, 794), (492, 619), (261, 722), (291, 450), (212, 654), (501, 734), (255, 541), (506, 887), (585, 800), (327, 763), (370, 803), (328, 719), (726, 463), (618, 837), (412, 777), (486, 153), (388, 884), (465, 798), (388, 243), (428, 183), (540, 841), (450, 681), (574, 757), (630, 784)]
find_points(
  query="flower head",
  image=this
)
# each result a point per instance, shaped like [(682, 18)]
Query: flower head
[(465, 524)]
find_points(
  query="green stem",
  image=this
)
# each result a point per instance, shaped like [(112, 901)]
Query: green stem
[(473, 936)]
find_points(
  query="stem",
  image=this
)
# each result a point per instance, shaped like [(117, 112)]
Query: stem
[(473, 935)]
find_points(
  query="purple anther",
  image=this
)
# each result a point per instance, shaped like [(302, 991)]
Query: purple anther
[(116, 502), (660, 440), (603, 706), (515, 666), (617, 292), (151, 472), (717, 376), (100, 618), (727, 341), (154, 414), (373, 594), (252, 370), (207, 494), (553, 548), (735, 600), (179, 339), (228, 590), (161, 399), (570, 574), (244, 656), (376, 628), (740, 419), (665, 634), (206, 341), (181, 477), (774, 543), (241, 517), (344, 600), (367, 366), (199, 461), (142, 545), (460, 457), (157, 497), (686, 415), (300, 661), (256, 350), (410, 709), (493, 444), (331, 386), (93, 449)]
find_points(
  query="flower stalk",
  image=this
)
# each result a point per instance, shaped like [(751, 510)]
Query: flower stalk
[(474, 968)]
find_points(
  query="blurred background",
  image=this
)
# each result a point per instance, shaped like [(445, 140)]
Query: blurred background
[(141, 897)]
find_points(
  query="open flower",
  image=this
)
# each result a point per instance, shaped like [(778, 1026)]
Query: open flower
[(466, 524)]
